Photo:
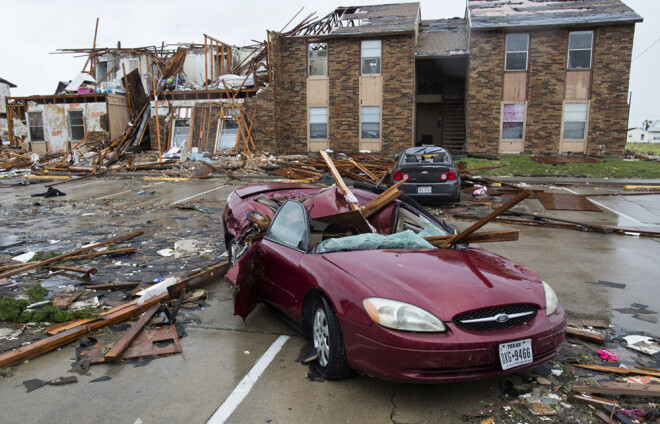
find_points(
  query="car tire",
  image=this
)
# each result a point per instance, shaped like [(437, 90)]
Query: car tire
[(328, 342)]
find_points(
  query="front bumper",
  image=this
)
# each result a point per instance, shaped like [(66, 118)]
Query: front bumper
[(457, 355)]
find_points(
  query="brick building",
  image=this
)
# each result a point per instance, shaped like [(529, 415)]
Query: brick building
[(531, 76)]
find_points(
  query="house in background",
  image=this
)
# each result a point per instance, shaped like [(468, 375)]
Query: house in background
[(530, 76), (654, 132), (638, 135), (5, 91)]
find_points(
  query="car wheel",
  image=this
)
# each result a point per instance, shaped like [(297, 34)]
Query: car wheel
[(328, 342)]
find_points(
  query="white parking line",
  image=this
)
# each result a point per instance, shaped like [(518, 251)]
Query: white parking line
[(198, 194), (84, 184), (122, 192), (241, 391), (609, 209)]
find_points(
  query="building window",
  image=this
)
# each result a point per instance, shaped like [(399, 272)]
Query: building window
[(513, 121), (76, 125), (318, 123), (370, 122), (371, 53), (575, 121), (517, 46), (36, 125), (641, 137), (579, 49), (228, 130), (317, 55)]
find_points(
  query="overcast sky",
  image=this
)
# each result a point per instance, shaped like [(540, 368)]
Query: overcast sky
[(31, 29)]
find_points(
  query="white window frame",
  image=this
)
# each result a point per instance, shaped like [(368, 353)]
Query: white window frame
[(379, 122), (82, 114), (311, 59), (524, 119), (507, 52), (30, 125), (310, 123), (564, 121), (367, 50), (590, 49)]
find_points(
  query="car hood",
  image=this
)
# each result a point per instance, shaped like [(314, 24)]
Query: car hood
[(444, 282)]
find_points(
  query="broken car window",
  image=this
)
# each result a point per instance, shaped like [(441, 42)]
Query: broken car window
[(289, 226)]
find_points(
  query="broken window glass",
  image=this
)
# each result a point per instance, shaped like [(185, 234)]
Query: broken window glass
[(516, 52), (579, 49), (180, 132), (36, 125), (76, 124), (513, 121), (370, 122), (371, 55), (575, 121), (318, 123), (370, 241), (318, 59)]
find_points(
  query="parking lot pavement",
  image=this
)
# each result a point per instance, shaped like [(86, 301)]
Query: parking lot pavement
[(220, 349)]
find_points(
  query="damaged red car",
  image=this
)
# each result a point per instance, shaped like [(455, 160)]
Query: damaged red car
[(375, 296)]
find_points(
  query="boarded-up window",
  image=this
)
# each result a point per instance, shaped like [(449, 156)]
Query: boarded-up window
[(36, 125), (370, 122), (516, 52), (318, 123), (513, 121), (371, 54), (579, 49), (575, 120), (76, 124), (318, 59)]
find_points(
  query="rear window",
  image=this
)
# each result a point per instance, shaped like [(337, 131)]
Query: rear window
[(427, 158)]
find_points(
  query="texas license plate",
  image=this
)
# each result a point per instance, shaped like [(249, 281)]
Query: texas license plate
[(424, 189), (514, 354)]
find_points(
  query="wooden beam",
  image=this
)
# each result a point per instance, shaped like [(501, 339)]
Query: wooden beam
[(160, 150), (125, 341), (483, 237), (382, 200), (589, 335), (63, 256), (617, 370), (340, 181), (365, 170), (485, 220), (627, 389)]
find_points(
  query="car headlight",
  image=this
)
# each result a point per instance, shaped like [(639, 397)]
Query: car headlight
[(401, 316), (551, 301)]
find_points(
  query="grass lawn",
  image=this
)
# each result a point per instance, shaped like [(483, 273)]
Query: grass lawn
[(523, 165), (646, 148)]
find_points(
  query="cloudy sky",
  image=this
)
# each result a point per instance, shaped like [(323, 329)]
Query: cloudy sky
[(31, 29)]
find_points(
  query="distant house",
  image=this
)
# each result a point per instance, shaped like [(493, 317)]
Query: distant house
[(638, 135), (5, 91), (654, 132)]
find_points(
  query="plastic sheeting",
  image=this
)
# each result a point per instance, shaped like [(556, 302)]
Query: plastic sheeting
[(403, 240)]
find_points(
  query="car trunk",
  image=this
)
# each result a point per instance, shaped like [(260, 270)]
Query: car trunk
[(425, 173)]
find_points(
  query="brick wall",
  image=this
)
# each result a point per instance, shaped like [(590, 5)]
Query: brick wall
[(344, 109), (290, 96), (485, 70), (608, 120), (398, 93), (547, 72)]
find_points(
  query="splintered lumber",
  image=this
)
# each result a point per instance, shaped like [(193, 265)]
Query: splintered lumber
[(363, 169), (485, 220), (594, 400), (340, 181), (589, 335), (85, 270), (483, 237), (626, 389), (382, 200), (617, 370), (349, 219), (122, 344), (63, 256)]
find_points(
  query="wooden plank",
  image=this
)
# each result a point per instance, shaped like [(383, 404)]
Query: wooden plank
[(34, 265), (589, 335), (626, 389), (160, 150), (340, 181), (108, 252), (594, 400), (617, 370), (364, 169), (485, 220), (122, 344), (382, 200), (483, 237)]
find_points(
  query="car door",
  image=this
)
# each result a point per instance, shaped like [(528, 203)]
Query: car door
[(281, 252)]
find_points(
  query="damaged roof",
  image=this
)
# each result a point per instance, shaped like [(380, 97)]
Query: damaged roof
[(378, 19), (522, 13), (4, 81), (442, 37)]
